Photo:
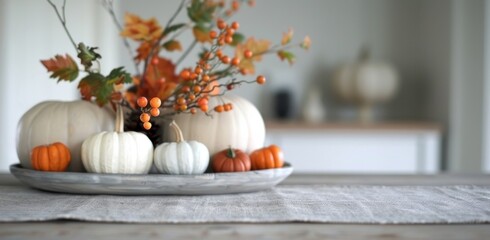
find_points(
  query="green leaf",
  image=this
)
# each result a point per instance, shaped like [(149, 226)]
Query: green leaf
[(201, 12), (237, 38), (173, 28), (87, 55), (118, 76), (62, 67), (285, 55), (98, 86)]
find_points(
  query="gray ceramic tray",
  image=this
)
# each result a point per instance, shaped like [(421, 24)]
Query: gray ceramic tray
[(152, 184)]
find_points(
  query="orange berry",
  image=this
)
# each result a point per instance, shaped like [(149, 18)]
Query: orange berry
[(235, 5), (185, 74), (155, 112), (221, 42), (248, 53), (193, 76), (225, 59), (213, 34), (202, 101), (230, 31), (196, 89), (162, 80), (193, 110), (198, 70), (221, 24), (228, 39), (186, 89), (176, 107), (235, 61), (183, 107), (192, 97), (155, 102), (226, 107), (142, 102), (145, 117), (181, 101), (235, 25), (204, 108), (260, 79), (243, 71), (147, 125), (205, 78), (155, 61), (230, 106), (219, 108), (219, 53), (230, 86), (207, 55)]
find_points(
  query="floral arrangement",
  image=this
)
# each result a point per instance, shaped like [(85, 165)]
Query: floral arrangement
[(80, 136)]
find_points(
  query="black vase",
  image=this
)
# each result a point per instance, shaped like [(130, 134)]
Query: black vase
[(283, 104)]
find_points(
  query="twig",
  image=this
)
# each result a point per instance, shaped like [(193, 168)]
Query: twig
[(63, 21), (109, 6), (157, 43), (189, 49)]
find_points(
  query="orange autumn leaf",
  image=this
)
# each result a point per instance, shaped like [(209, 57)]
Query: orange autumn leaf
[(287, 36), (201, 34), (62, 67), (141, 30), (143, 51), (172, 45), (160, 80), (306, 44), (257, 47)]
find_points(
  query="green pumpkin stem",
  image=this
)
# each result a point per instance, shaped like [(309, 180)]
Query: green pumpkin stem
[(178, 133), (231, 153), (119, 119)]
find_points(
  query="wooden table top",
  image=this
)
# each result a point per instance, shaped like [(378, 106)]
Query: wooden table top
[(91, 230)]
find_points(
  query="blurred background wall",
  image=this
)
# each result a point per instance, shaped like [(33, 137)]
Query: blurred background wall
[(437, 46)]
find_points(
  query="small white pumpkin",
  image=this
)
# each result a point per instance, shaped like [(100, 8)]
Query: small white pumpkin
[(118, 152), (181, 157), (242, 128), (57, 121)]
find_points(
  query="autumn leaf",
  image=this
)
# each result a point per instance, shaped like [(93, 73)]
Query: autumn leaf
[(173, 28), (94, 85), (257, 47), (172, 45), (287, 36), (201, 12), (87, 55), (285, 55), (160, 80), (306, 44), (143, 51), (237, 39), (201, 34), (62, 67), (139, 29)]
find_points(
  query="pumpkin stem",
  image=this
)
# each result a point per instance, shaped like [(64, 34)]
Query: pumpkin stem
[(231, 153), (178, 133), (119, 119)]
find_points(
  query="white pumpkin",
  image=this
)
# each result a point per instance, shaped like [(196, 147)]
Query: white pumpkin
[(181, 157), (66, 122), (118, 152), (242, 127)]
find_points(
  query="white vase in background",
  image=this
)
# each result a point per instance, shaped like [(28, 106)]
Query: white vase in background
[(366, 82), (313, 109)]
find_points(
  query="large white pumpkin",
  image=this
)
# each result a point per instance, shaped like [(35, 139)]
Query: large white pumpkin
[(66, 122), (242, 127), (181, 157), (118, 152)]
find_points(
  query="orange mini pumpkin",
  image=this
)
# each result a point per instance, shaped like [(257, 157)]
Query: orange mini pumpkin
[(54, 157), (268, 157), (231, 160)]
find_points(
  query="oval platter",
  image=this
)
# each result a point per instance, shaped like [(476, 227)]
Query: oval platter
[(152, 184)]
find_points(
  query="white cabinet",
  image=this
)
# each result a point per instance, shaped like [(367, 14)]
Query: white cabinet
[(349, 148)]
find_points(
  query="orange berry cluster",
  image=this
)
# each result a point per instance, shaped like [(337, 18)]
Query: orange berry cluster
[(223, 108), (154, 110)]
